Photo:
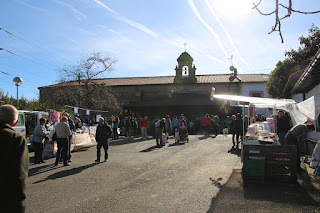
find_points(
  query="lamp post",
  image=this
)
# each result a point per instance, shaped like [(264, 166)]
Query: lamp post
[(17, 81)]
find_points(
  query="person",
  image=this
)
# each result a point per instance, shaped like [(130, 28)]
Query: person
[(182, 124), (40, 134), (226, 124), (127, 126), (175, 122), (206, 124), (159, 128), (143, 126), (283, 126), (77, 122), (246, 123), (295, 133), (168, 126), (191, 125), (215, 124), (115, 127), (72, 129), (299, 130), (63, 132), (14, 162), (103, 133), (232, 125), (238, 128), (153, 122)]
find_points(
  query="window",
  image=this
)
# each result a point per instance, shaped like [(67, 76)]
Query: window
[(21, 120), (185, 71), (256, 94)]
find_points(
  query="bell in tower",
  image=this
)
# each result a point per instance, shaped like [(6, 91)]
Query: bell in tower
[(185, 71)]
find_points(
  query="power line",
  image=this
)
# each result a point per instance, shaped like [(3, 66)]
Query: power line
[(29, 58), (7, 51), (35, 45), (24, 70)]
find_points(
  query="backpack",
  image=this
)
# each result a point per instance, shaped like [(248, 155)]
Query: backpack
[(157, 124)]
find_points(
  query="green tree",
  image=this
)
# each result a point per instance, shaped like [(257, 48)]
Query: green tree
[(32, 104), (295, 62)]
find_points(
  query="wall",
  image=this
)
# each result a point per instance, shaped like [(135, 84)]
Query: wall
[(315, 91), (297, 97), (247, 88)]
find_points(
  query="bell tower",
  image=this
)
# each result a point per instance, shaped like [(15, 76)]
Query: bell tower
[(185, 70)]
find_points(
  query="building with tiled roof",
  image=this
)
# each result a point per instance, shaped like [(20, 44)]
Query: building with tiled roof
[(185, 92)]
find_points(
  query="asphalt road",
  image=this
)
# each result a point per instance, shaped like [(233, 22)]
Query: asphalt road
[(138, 177)]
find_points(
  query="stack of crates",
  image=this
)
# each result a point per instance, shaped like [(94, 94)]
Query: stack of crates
[(254, 170)]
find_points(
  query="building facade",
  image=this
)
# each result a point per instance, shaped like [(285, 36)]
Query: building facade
[(185, 92)]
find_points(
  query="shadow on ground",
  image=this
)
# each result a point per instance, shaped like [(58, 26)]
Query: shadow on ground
[(66, 173), (271, 196), (41, 169), (235, 151), (126, 140), (204, 137), (149, 149), (176, 144)]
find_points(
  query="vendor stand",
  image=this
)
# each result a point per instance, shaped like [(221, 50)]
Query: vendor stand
[(277, 161), (262, 155)]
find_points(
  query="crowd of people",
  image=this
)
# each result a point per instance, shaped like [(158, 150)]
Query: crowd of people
[(14, 153)]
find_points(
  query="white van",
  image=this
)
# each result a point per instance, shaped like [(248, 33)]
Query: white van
[(28, 121)]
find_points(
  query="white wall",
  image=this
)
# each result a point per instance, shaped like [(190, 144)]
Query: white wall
[(248, 88), (297, 97), (254, 87), (313, 92)]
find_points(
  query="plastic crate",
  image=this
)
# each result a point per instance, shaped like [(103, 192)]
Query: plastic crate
[(254, 171)]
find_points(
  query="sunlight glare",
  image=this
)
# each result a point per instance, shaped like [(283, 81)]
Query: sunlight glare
[(233, 8)]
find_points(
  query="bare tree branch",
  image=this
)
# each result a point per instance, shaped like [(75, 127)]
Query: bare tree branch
[(277, 26)]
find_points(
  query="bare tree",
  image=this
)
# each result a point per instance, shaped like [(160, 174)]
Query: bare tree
[(83, 86), (278, 6)]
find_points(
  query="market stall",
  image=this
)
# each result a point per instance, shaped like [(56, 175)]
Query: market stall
[(83, 138), (262, 155), (261, 152)]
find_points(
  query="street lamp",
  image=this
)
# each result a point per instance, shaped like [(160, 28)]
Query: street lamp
[(17, 81)]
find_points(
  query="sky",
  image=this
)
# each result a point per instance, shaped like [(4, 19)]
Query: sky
[(40, 37)]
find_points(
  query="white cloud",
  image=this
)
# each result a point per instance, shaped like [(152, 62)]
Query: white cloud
[(211, 30), (80, 16), (227, 34), (31, 6), (128, 21)]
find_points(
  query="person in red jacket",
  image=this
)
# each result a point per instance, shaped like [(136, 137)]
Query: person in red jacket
[(206, 124), (143, 126)]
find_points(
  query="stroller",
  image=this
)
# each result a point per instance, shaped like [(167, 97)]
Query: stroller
[(181, 135)]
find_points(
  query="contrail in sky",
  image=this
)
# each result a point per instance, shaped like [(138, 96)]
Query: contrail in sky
[(227, 34), (216, 36), (193, 50), (31, 6), (128, 21), (77, 12)]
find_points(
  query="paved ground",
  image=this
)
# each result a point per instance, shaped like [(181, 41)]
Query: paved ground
[(272, 196), (138, 177), (200, 176)]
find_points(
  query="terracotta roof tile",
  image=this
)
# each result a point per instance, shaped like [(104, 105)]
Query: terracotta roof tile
[(202, 79)]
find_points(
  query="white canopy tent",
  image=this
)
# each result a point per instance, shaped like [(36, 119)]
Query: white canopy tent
[(300, 113)]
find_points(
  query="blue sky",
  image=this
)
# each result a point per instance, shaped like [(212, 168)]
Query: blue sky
[(145, 36)]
